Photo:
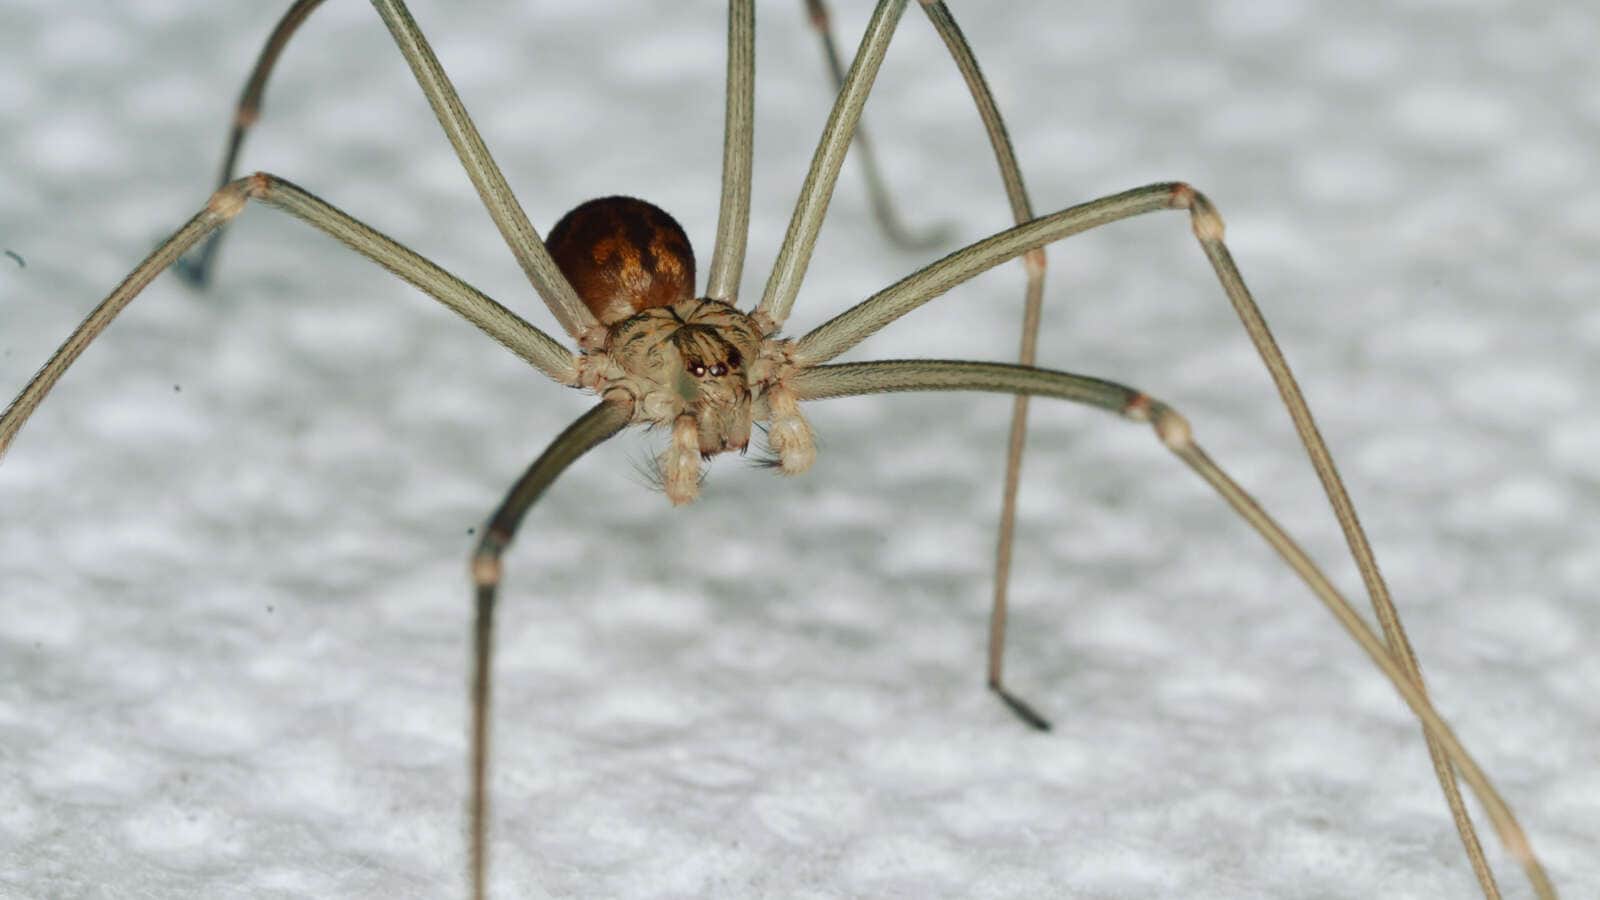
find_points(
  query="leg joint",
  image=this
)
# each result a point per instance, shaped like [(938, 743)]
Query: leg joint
[(230, 199), (260, 185), (1169, 424), (486, 568), (1203, 216)]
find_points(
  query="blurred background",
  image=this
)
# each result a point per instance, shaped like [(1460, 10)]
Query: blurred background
[(233, 611)]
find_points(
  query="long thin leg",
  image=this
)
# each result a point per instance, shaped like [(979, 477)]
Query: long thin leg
[(196, 268), (795, 254), (1208, 230), (883, 208), (583, 435), (857, 323), (523, 339), (1022, 212), (486, 176), (1034, 260), (733, 217), (849, 328), (503, 207), (1174, 431)]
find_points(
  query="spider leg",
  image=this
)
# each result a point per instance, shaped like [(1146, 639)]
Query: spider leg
[(733, 217), (590, 430), (1174, 431), (1022, 211), (855, 324), (859, 322), (505, 326), (195, 268), (883, 208), (485, 174), (1034, 262), (801, 238)]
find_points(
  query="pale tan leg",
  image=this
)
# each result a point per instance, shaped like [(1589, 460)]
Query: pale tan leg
[(196, 267), (733, 217), (795, 255), (1022, 211), (878, 196), (855, 324), (505, 326), (590, 430), (485, 174), (914, 375), (1034, 261)]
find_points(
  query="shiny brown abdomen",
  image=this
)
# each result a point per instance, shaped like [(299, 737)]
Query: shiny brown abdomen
[(623, 256)]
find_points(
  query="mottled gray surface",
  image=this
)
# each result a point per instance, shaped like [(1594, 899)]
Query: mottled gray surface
[(232, 544)]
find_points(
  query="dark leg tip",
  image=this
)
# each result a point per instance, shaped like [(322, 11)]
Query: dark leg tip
[(194, 267), (1026, 713), (194, 273)]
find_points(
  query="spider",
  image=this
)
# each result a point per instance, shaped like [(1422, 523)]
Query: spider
[(768, 391)]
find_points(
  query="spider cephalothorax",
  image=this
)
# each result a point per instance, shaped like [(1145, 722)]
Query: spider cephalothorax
[(700, 366), (691, 358)]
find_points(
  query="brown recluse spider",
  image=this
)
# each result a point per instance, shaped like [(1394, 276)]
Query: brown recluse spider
[(620, 279)]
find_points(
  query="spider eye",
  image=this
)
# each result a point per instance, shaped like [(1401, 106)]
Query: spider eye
[(697, 370), (719, 370)]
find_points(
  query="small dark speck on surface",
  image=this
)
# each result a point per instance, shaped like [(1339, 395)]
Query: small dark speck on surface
[(177, 389)]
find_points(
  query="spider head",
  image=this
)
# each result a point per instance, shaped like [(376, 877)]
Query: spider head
[(712, 383), (692, 358)]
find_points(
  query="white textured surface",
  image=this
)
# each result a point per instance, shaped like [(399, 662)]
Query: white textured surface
[(232, 544)]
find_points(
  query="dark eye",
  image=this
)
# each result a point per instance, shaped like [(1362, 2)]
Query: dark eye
[(733, 359), (697, 370), (719, 370)]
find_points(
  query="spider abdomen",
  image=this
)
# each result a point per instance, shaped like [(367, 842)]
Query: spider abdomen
[(623, 256)]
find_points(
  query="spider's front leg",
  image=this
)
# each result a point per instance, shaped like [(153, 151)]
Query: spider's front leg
[(589, 431)]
